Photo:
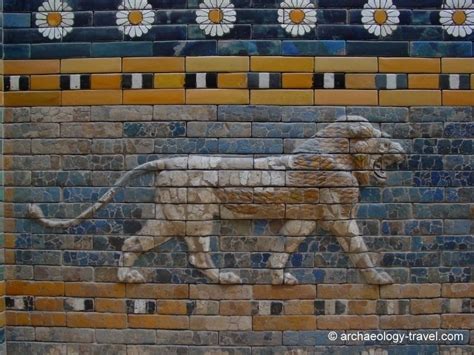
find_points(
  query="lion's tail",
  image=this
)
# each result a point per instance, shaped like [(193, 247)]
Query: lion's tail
[(34, 211)]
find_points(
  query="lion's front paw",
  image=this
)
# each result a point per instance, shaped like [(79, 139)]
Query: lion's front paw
[(229, 278), (289, 279), (128, 275), (375, 277)]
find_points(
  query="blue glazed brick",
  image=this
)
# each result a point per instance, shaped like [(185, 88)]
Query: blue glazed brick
[(456, 211), (343, 32), (459, 194), (381, 211), (459, 130), (457, 259), (442, 146), (443, 178), (265, 3), (283, 130), (311, 113), (425, 17), (440, 114), (24, 35), (12, 20), (412, 227), (370, 194), (60, 50), (308, 338), (419, 4), (338, 16), (442, 243), (83, 19), (88, 227), (21, 6), (241, 113), (94, 34), (82, 5), (385, 48), (458, 226), (256, 17), (249, 47), (380, 114), (407, 194), (34, 257), (96, 258), (277, 32), (129, 49), (165, 17), (155, 129), (249, 146), (441, 49), (61, 178), (162, 33), (139, 194), (88, 194), (313, 48), (185, 48), (410, 259), (36, 194), (168, 4), (238, 32), (16, 51), (105, 18), (186, 145)]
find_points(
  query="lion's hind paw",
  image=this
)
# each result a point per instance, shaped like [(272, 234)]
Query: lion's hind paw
[(128, 275), (375, 277), (289, 279), (229, 278)]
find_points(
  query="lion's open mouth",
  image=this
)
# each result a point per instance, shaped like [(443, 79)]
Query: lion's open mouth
[(379, 172)]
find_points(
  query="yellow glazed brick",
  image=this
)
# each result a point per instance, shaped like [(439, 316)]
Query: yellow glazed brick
[(232, 80), (217, 96), (281, 97), (360, 81), (91, 97), (297, 81), (423, 81), (458, 97), (153, 65), (169, 81), (457, 65), (31, 66), (409, 65), (44, 82), (91, 65), (33, 98), (153, 97), (106, 81), (410, 97), (282, 64), (346, 97), (217, 64), (349, 64)]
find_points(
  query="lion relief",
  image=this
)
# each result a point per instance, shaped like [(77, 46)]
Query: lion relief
[(317, 184)]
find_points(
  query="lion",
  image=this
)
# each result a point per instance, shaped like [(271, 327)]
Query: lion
[(318, 183)]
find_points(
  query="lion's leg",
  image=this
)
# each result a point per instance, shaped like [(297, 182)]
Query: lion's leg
[(199, 248), (132, 248), (296, 232), (349, 237)]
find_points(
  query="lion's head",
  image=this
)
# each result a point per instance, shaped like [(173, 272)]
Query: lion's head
[(370, 149)]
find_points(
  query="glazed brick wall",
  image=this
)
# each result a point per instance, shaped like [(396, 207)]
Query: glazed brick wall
[(62, 291)]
